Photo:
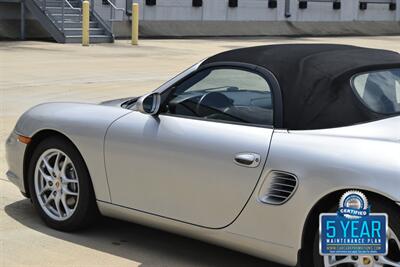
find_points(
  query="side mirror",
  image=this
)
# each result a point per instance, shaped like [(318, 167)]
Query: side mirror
[(149, 104)]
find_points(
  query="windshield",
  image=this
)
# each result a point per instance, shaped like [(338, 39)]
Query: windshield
[(379, 90)]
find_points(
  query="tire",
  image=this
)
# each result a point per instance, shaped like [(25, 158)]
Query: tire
[(83, 210), (378, 206)]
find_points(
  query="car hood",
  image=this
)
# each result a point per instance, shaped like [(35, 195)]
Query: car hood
[(386, 129)]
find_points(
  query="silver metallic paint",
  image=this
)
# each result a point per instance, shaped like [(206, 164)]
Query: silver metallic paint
[(163, 164), (224, 237), (323, 163), (15, 158), (365, 156), (83, 124)]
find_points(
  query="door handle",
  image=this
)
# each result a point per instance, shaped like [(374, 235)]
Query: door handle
[(251, 160)]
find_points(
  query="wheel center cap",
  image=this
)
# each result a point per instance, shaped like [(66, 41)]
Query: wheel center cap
[(57, 183), (366, 261)]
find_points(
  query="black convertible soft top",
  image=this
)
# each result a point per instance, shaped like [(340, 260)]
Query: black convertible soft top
[(315, 80)]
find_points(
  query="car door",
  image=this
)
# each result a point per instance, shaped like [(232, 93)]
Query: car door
[(199, 160)]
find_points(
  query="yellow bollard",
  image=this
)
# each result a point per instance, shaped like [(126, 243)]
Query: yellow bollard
[(135, 24), (85, 22)]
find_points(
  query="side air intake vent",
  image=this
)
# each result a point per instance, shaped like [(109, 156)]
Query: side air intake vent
[(278, 188)]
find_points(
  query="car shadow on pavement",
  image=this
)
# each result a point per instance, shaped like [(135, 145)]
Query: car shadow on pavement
[(138, 243)]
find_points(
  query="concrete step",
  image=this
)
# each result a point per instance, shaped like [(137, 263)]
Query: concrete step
[(93, 39), (59, 2), (56, 4), (55, 1), (74, 23), (69, 15), (68, 18), (58, 10), (51, 4), (78, 31), (69, 24)]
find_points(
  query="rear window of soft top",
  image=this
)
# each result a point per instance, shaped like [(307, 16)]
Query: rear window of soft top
[(379, 90)]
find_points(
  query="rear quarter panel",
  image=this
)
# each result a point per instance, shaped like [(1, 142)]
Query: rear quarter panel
[(324, 162)]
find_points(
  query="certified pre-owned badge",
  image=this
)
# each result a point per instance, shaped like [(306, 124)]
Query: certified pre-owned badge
[(353, 230)]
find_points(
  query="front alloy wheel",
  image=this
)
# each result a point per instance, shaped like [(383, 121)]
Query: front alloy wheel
[(56, 184), (60, 185)]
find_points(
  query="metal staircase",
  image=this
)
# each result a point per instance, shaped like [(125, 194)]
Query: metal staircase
[(63, 20)]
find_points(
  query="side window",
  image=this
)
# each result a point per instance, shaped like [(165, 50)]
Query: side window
[(225, 94)]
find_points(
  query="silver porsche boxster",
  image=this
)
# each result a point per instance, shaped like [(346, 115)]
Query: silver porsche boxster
[(244, 149)]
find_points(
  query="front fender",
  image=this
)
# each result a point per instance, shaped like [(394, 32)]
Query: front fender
[(85, 125)]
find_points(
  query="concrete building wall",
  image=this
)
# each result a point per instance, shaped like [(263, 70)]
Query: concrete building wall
[(257, 10), (251, 17)]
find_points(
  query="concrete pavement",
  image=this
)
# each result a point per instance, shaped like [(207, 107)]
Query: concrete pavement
[(26, 241), (36, 72)]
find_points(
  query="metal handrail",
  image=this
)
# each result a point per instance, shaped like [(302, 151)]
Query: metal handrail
[(72, 7), (115, 8)]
